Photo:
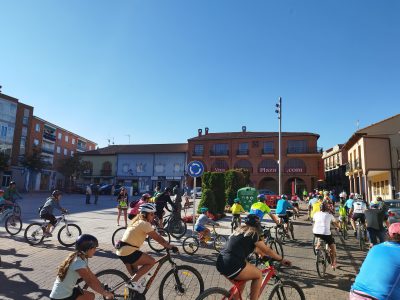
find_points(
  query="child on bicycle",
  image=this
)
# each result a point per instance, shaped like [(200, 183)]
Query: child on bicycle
[(46, 212), (74, 267), (236, 210), (3, 202), (204, 232)]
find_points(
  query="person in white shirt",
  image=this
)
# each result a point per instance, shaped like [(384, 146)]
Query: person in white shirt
[(358, 212), (322, 229)]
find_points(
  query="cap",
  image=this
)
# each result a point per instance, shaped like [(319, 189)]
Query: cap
[(393, 229)]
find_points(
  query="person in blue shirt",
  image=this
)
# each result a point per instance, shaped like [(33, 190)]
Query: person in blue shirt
[(349, 203), (282, 211), (379, 276)]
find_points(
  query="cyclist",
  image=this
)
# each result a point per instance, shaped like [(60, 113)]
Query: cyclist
[(260, 209), (322, 229), (133, 238), (282, 211), (379, 276), (295, 203), (11, 192), (383, 206), (231, 262), (3, 202), (342, 212), (236, 210), (75, 266), (134, 205), (358, 209), (349, 203), (46, 211), (202, 221), (161, 201), (313, 199), (342, 197)]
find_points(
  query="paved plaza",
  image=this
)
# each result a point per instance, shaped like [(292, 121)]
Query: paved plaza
[(28, 272)]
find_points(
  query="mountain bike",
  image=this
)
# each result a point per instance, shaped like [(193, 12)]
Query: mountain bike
[(180, 282), (67, 235), (154, 245), (11, 215), (323, 257), (174, 224), (343, 227), (281, 290), (192, 243), (361, 234), (281, 233), (235, 222)]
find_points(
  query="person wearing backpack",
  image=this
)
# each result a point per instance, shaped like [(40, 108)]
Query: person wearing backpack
[(134, 205)]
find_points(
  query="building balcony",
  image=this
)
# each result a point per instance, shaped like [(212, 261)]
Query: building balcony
[(48, 150), (49, 136), (219, 153), (267, 152), (81, 148), (304, 150), (197, 153), (242, 152)]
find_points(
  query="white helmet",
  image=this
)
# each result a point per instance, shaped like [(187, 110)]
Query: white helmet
[(343, 194), (147, 207)]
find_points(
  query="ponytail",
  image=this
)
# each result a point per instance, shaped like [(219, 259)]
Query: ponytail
[(63, 268)]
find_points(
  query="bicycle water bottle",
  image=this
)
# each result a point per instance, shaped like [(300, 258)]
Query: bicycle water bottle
[(146, 279)]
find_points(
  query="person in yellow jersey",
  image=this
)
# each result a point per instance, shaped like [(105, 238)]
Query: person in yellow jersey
[(260, 209), (316, 206), (236, 210)]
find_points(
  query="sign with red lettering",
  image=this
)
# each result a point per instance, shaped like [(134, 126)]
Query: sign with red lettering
[(267, 170)]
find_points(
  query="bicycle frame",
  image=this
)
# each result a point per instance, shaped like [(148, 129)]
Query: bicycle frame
[(268, 273)]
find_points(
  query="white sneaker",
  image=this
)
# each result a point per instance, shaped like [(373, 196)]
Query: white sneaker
[(138, 287)]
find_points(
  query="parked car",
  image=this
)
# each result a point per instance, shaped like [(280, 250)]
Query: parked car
[(106, 189), (394, 210), (197, 191), (79, 188)]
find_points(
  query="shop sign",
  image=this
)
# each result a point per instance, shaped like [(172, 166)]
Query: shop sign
[(169, 178), (154, 177), (219, 170), (177, 178), (295, 170), (267, 170)]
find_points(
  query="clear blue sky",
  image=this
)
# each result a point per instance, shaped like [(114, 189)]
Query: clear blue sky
[(159, 70)]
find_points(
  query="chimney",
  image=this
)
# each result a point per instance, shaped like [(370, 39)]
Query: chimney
[(243, 128), (206, 130), (200, 131)]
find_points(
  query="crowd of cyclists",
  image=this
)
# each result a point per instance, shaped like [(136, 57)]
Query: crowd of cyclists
[(245, 239)]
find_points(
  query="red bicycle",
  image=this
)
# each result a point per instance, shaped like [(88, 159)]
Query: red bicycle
[(281, 290)]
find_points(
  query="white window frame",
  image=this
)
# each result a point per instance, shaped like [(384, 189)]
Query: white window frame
[(58, 149), (66, 138), (65, 151), (59, 135)]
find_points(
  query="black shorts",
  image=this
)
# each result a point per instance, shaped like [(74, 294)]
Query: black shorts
[(76, 292), (159, 213), (50, 217), (359, 216), (131, 258), (229, 266), (286, 217), (131, 216), (295, 204), (326, 238)]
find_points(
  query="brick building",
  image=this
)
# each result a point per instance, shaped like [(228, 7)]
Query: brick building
[(302, 165)]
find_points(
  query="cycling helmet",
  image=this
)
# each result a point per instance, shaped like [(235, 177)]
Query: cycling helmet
[(252, 220), (236, 200), (343, 195), (394, 229), (203, 209), (85, 242), (147, 207), (56, 193), (12, 182), (146, 196), (284, 197), (168, 190)]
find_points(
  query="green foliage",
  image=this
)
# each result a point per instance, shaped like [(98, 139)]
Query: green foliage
[(70, 166), (234, 180), (246, 175), (34, 162), (4, 160), (214, 183), (207, 200)]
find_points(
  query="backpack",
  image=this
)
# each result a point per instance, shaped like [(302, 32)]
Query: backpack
[(133, 203), (40, 208)]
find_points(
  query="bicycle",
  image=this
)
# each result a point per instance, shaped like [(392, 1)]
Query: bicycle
[(34, 233), (235, 222), (13, 223), (323, 257), (288, 290), (180, 282), (343, 227), (361, 234), (174, 224), (281, 233), (192, 243), (155, 246)]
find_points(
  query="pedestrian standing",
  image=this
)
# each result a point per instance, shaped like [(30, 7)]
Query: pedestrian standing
[(96, 193), (88, 193), (122, 205), (374, 219)]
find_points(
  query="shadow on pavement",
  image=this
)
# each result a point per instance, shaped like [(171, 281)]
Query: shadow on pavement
[(19, 287)]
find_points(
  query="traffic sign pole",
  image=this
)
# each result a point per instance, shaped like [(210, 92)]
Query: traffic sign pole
[(194, 201), (195, 169)]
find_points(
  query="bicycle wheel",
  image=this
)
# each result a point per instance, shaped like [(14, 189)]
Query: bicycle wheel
[(286, 290), (67, 235), (276, 246), (214, 293), (190, 245), (344, 230), (280, 233), (291, 229), (17, 210), (219, 242), (176, 227), (361, 240), (321, 263), (34, 234), (112, 281), (314, 241), (117, 235), (13, 224), (154, 245), (183, 282)]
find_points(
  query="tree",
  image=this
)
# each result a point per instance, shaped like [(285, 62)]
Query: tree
[(34, 162), (4, 159), (71, 167)]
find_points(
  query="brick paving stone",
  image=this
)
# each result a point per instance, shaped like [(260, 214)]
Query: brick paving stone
[(28, 272)]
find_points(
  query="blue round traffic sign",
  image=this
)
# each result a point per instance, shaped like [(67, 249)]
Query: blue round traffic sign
[(195, 168)]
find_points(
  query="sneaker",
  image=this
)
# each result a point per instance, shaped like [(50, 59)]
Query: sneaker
[(138, 287), (47, 234)]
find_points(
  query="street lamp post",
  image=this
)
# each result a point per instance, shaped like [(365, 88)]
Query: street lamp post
[(279, 112)]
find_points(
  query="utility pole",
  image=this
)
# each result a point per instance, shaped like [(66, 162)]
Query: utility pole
[(279, 112), (129, 138)]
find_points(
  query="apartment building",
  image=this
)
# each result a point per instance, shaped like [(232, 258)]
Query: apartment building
[(374, 159), (302, 166), (335, 160)]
